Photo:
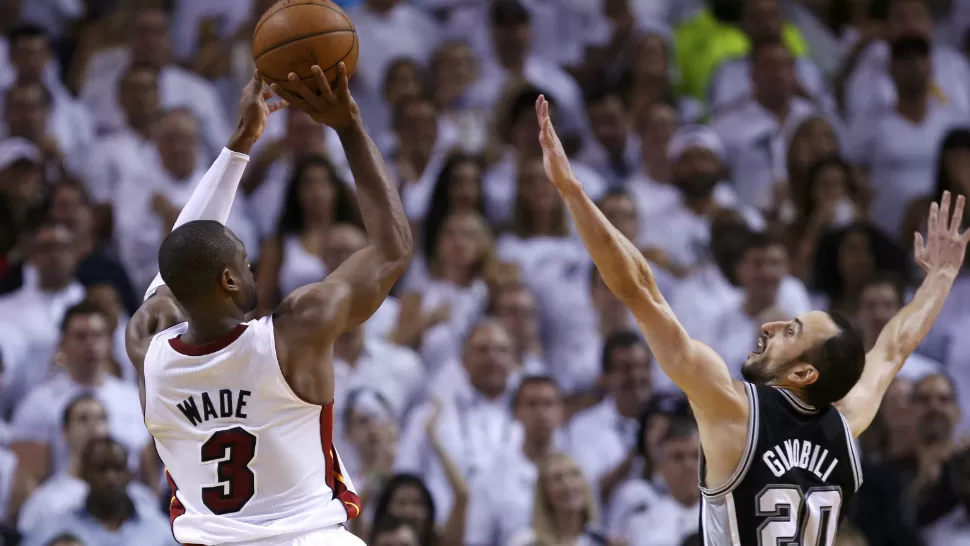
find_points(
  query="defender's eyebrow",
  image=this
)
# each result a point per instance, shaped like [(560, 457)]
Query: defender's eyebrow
[(798, 322)]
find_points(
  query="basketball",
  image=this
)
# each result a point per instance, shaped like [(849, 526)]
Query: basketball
[(294, 35)]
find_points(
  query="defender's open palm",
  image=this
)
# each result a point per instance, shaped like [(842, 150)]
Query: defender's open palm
[(945, 246), (253, 108), (333, 107), (553, 156)]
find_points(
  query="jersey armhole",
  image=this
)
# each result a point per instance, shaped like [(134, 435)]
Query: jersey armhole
[(853, 448), (747, 457)]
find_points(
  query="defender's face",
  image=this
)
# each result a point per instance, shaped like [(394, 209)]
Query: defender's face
[(780, 345)]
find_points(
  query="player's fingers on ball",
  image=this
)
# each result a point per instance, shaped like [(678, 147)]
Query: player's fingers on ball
[(343, 81), (277, 106), (301, 88), (322, 82)]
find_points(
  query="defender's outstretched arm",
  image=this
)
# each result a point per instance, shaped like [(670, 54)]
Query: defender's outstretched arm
[(692, 365), (941, 257)]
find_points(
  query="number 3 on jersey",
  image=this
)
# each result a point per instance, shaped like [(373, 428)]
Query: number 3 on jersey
[(234, 449), (781, 506)]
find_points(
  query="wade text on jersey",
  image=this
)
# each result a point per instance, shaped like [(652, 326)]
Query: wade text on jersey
[(800, 454), (222, 404)]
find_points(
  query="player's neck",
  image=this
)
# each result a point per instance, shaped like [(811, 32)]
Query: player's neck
[(205, 330), (569, 525)]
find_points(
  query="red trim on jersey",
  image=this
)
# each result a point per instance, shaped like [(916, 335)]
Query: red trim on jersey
[(175, 507), (215, 345), (335, 477)]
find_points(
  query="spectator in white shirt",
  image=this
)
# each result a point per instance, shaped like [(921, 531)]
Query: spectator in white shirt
[(614, 150), (149, 43), (370, 427), (812, 141), (614, 421), (762, 266), (37, 428), (26, 114), (502, 497), (475, 424), (651, 187), (403, 81), (898, 145), (128, 148), (674, 514), (420, 153), (881, 297), (755, 131), (69, 121), (84, 418), (564, 509), (39, 308), (315, 200), (515, 307), (457, 189), (406, 497), (538, 235), (954, 527), (452, 72)]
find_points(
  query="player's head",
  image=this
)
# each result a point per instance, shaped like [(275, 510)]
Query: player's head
[(205, 266), (819, 354)]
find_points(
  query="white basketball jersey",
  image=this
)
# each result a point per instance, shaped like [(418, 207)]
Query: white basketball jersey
[(245, 458)]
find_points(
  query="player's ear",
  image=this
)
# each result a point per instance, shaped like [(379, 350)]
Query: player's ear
[(229, 282), (802, 374)]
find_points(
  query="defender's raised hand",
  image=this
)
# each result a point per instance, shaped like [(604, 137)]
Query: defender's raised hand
[(253, 113), (333, 107), (945, 246), (554, 158)]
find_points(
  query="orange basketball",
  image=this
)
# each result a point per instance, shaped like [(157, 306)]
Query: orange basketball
[(294, 35)]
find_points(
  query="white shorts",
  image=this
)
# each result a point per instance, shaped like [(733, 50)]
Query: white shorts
[(329, 536)]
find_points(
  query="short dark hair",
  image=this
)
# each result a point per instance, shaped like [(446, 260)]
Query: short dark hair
[(680, 427), (909, 46), (509, 12), (621, 339), (69, 409), (99, 441), (25, 32), (193, 256), (839, 361), (760, 240), (83, 309), (529, 381), (524, 100)]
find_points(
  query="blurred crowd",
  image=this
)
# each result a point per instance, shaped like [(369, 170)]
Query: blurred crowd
[(768, 156)]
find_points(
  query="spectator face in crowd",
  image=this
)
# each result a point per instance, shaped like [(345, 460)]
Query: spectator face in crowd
[(138, 96), (371, 428), (627, 370), (462, 179), (489, 358), (402, 81), (460, 250), (178, 142), (538, 210), (149, 40), (621, 211), (696, 172), (104, 466), (51, 252), (608, 118), (417, 128), (304, 136), (828, 194), (69, 205), (935, 409), (84, 419), (773, 74), (27, 107), (453, 71), (652, 63), (655, 125), (30, 51), (511, 32), (899, 419), (763, 265), (813, 141), (953, 170), (105, 297), (315, 199), (678, 460), (406, 498), (515, 308), (85, 343), (522, 125), (879, 301), (562, 494), (910, 67), (539, 407), (762, 20), (22, 179)]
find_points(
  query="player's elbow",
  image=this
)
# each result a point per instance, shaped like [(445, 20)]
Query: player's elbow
[(398, 249)]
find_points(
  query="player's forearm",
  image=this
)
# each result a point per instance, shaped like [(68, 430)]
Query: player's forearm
[(622, 266), (903, 334), (380, 203)]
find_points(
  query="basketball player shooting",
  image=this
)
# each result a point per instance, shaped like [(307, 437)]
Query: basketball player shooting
[(242, 411), (778, 458)]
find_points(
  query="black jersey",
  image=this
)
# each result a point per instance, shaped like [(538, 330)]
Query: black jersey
[(800, 467)]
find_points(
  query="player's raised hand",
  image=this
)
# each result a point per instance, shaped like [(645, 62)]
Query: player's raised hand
[(554, 158), (253, 113), (944, 247), (332, 106)]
